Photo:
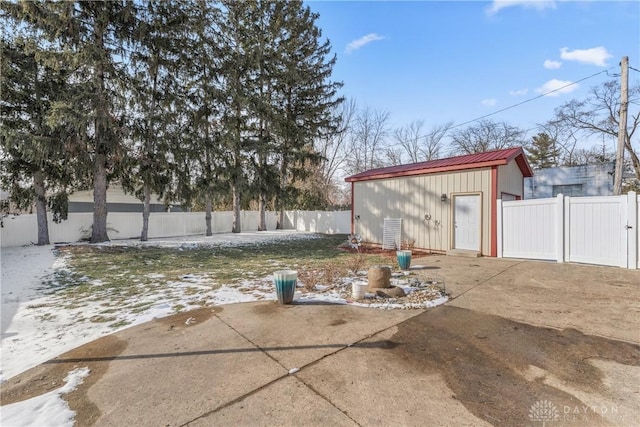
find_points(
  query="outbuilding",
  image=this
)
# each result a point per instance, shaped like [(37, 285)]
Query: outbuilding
[(444, 205)]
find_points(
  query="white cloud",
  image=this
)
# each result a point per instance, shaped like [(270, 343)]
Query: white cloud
[(364, 40), (552, 65), (489, 102), (518, 92), (557, 87), (498, 5), (595, 55)]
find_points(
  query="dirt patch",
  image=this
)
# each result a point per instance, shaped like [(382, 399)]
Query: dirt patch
[(50, 375), (374, 249), (486, 360)]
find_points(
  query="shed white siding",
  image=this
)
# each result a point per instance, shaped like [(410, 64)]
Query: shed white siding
[(413, 197), (510, 180)]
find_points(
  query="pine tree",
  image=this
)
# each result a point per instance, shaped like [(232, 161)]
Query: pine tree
[(204, 81), (304, 96), (543, 153), (93, 38), (35, 166), (159, 47), (235, 114)]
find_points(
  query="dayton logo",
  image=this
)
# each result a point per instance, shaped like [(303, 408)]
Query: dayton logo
[(543, 411)]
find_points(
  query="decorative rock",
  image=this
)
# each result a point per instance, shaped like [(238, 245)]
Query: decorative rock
[(393, 292), (379, 277)]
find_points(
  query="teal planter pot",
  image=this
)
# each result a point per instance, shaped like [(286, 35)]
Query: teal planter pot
[(285, 282), (404, 259)]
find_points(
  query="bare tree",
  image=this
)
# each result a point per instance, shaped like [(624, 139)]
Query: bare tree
[(432, 141), (565, 141), (417, 145), (486, 135), (334, 149), (368, 140), (393, 156), (599, 114), (408, 137)]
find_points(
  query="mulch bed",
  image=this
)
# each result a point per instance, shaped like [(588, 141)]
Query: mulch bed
[(372, 249)]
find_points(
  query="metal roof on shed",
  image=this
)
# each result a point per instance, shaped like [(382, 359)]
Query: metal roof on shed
[(458, 163)]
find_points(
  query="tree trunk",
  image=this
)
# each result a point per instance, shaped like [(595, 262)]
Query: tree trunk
[(148, 149), (99, 232), (262, 195), (635, 161), (207, 214), (235, 190), (146, 209), (280, 224), (41, 208), (281, 191), (262, 205), (235, 177)]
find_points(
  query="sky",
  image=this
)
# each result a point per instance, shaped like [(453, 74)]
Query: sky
[(441, 61)]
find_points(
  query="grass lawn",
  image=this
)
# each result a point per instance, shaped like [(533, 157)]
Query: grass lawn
[(134, 278)]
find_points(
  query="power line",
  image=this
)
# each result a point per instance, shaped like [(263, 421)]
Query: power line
[(510, 107), (634, 69), (529, 100)]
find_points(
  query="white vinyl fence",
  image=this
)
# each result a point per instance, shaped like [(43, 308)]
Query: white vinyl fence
[(336, 222), (591, 230), (18, 230)]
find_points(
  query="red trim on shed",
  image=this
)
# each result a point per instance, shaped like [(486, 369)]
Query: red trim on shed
[(469, 161), (494, 211), (353, 207)]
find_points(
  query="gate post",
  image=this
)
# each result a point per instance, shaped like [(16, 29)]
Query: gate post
[(560, 227), (632, 230), (499, 227)]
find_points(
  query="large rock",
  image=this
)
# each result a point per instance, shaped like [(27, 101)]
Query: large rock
[(392, 292), (379, 277)]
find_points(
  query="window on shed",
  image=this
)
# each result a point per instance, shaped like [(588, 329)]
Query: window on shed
[(571, 190)]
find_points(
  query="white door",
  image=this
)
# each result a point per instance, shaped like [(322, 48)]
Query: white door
[(466, 222)]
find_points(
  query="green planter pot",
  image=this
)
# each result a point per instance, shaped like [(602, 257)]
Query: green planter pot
[(404, 259), (285, 282)]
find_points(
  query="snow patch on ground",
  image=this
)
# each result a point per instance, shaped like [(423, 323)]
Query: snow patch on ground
[(38, 325), (47, 409)]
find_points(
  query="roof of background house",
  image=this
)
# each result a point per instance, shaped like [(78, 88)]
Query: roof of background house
[(458, 163)]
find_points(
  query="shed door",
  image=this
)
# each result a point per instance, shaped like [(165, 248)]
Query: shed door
[(466, 222)]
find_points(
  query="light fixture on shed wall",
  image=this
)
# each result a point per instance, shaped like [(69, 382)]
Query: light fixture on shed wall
[(443, 198)]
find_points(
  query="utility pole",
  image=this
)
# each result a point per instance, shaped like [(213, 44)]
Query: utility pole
[(622, 125)]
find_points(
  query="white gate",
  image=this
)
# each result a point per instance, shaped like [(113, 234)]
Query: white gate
[(595, 231), (592, 230)]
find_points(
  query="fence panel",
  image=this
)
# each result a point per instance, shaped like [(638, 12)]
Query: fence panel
[(529, 229), (22, 229), (596, 230), (591, 230)]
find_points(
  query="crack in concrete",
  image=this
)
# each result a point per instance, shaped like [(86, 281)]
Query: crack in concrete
[(484, 281), (270, 383)]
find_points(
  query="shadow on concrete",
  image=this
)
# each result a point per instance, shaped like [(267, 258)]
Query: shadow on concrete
[(385, 344), (312, 302)]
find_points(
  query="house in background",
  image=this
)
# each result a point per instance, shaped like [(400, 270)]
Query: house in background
[(117, 201), (444, 205), (573, 181)]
